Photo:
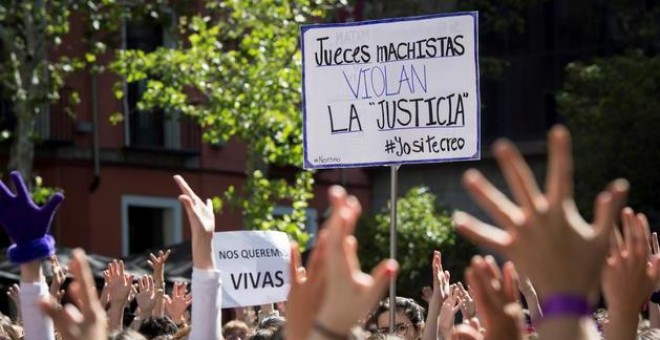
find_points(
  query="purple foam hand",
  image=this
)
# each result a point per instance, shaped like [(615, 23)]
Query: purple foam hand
[(26, 223)]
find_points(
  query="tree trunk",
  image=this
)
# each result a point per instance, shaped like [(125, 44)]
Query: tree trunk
[(21, 155)]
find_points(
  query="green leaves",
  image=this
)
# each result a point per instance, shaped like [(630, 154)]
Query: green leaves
[(422, 227), (611, 106), (237, 72)]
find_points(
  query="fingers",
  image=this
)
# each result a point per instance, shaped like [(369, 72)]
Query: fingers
[(183, 185), (510, 282), (478, 278), (616, 243), (293, 265), (83, 274), (496, 204), (5, 192), (518, 175), (654, 243), (436, 266), (316, 263), (606, 206), (481, 233), (19, 184), (356, 210), (559, 183), (645, 231), (385, 271)]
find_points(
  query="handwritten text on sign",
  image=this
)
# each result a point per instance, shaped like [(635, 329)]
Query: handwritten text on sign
[(254, 267), (391, 92)]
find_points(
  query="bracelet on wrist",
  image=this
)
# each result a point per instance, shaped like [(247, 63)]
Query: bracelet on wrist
[(327, 332), (566, 305)]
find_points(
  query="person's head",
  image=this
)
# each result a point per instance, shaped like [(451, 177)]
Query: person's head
[(272, 322), (126, 334), (235, 330), (8, 329), (408, 321), (154, 326)]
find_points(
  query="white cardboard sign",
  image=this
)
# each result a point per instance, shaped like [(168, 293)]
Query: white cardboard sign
[(391, 91), (254, 267)]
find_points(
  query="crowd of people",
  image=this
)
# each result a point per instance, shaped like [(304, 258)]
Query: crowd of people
[(558, 267)]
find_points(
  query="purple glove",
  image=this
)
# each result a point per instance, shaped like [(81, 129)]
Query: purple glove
[(27, 224)]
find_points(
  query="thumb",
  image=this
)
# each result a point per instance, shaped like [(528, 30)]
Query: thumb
[(381, 274)]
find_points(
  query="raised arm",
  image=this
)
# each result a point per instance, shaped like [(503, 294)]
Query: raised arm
[(27, 226), (544, 233), (157, 263), (440, 293), (349, 293), (628, 277), (206, 289), (87, 322), (119, 288)]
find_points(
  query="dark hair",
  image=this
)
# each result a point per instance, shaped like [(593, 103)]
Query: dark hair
[(126, 334), (154, 326), (272, 322), (411, 309), (271, 333)]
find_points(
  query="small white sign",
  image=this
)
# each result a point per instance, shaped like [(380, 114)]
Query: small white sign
[(254, 267), (391, 91)]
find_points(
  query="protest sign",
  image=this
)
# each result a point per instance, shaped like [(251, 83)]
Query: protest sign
[(254, 267), (391, 91)]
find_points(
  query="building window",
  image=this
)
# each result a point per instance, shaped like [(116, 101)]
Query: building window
[(154, 129), (311, 223), (149, 222)]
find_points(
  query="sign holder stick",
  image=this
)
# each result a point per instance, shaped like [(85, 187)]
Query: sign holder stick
[(394, 185)]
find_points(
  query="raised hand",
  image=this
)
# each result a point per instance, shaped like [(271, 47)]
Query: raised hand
[(119, 283), (468, 307), (147, 296), (202, 224), (26, 223), (179, 302), (13, 292), (345, 282), (439, 294), (157, 263), (200, 214), (303, 301), (496, 298), (427, 293), (450, 306), (104, 297), (88, 323), (119, 288), (628, 276), (533, 304), (544, 233), (59, 276)]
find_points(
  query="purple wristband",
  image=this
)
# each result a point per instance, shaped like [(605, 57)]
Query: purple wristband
[(32, 250), (560, 305)]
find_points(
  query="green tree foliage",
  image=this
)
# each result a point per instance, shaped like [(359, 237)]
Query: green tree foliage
[(422, 227), (611, 106), (30, 76), (237, 71)]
